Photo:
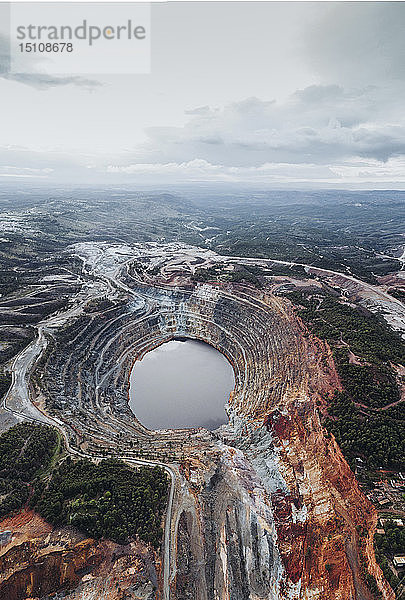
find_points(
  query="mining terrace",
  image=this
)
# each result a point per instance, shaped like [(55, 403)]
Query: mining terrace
[(265, 507)]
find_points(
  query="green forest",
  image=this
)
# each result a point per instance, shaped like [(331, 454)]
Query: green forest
[(389, 544), (25, 450), (109, 500), (355, 415), (106, 500)]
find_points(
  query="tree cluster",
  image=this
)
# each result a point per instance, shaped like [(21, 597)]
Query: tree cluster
[(109, 500), (356, 417), (25, 449)]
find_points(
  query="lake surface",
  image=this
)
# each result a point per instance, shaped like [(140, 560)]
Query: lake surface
[(181, 384)]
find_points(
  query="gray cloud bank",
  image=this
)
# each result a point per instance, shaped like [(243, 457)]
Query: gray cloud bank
[(319, 124), (323, 133)]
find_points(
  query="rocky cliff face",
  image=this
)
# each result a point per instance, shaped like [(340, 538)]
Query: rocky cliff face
[(266, 508), (40, 561)]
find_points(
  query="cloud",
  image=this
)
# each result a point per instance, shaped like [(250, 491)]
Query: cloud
[(33, 77), (42, 81), (200, 110), (391, 171), (11, 171), (199, 170), (366, 173), (196, 169), (51, 167), (322, 133), (17, 162), (319, 124)]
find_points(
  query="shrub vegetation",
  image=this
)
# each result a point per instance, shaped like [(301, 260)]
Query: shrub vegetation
[(109, 499)]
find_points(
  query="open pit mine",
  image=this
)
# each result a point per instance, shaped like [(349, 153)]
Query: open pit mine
[(265, 507)]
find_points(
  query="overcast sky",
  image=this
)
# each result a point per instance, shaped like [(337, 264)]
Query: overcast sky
[(271, 94)]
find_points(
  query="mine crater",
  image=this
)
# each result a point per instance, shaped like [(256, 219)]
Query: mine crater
[(250, 506)]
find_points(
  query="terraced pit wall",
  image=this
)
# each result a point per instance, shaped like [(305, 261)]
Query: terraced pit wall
[(266, 508)]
